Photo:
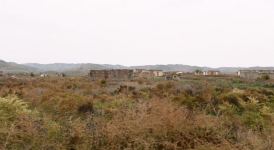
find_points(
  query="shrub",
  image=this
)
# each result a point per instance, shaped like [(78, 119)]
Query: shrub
[(103, 83), (158, 124), (86, 108), (11, 107), (16, 124), (254, 120), (264, 77), (233, 99)]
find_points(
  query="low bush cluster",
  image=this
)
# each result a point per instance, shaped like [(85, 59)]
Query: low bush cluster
[(80, 114)]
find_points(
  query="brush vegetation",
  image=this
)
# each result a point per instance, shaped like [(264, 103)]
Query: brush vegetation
[(193, 113)]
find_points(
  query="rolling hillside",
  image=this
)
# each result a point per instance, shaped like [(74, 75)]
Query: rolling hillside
[(83, 68), (11, 67)]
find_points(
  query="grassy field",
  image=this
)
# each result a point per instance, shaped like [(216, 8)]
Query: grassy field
[(193, 113)]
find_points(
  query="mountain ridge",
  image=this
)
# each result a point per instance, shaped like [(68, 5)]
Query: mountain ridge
[(83, 68), (12, 67)]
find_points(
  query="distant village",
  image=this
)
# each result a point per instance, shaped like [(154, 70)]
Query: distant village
[(130, 74)]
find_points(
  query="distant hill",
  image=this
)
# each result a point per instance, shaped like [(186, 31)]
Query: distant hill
[(171, 67), (11, 67), (83, 68), (72, 69)]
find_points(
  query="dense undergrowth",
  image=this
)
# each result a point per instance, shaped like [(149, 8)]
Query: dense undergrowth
[(194, 113)]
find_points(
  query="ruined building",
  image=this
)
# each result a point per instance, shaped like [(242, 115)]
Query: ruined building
[(115, 74), (173, 75), (211, 73), (207, 73), (142, 73), (157, 73), (256, 74)]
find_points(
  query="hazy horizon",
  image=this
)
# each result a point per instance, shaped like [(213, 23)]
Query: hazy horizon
[(215, 33)]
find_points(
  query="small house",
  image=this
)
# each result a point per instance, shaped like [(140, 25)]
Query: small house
[(43, 75), (211, 73)]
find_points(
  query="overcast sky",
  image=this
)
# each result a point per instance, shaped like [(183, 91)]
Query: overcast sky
[(137, 32)]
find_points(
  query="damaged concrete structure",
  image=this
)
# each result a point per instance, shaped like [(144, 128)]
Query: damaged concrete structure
[(173, 75), (115, 74), (142, 73), (256, 74)]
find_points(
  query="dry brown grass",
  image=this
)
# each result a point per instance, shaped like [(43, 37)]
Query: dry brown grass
[(76, 113)]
